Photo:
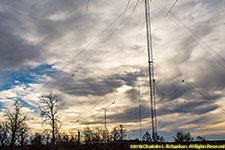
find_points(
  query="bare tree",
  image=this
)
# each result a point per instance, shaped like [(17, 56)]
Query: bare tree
[(49, 110), (200, 139), (23, 134), (160, 139), (88, 135), (15, 124), (147, 137), (118, 134), (99, 135), (3, 134), (122, 131), (114, 134), (182, 136), (37, 139)]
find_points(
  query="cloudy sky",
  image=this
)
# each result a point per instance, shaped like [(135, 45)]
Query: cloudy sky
[(94, 55)]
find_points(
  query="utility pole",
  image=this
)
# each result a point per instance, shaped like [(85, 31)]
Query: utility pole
[(151, 70), (106, 131)]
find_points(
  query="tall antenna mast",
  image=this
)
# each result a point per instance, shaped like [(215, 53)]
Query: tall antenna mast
[(151, 70)]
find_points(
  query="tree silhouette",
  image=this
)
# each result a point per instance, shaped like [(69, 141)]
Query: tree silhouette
[(23, 134), (118, 133), (49, 110), (200, 139), (147, 137), (114, 134), (160, 138), (37, 139), (15, 124), (3, 134), (88, 135), (98, 135), (182, 136), (122, 131)]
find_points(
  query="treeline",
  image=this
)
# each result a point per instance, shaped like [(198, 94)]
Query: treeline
[(14, 131)]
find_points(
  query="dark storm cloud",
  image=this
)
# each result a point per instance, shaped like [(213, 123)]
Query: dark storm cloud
[(130, 114), (96, 86), (197, 29), (195, 107), (74, 21), (32, 18), (211, 76), (208, 78), (14, 51), (188, 44), (196, 103), (132, 94), (99, 120), (170, 90), (205, 120), (93, 86)]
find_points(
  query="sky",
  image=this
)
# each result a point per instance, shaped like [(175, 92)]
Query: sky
[(95, 56)]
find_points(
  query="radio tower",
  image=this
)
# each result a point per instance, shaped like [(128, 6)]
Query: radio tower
[(151, 70)]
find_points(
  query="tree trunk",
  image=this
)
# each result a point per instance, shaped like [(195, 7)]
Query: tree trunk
[(53, 131)]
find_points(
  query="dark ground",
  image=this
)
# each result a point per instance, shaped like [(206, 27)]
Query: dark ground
[(123, 145)]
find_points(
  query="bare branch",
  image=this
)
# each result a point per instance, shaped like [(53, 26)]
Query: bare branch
[(49, 111)]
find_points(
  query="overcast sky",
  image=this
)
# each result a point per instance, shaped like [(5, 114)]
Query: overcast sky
[(92, 56)]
